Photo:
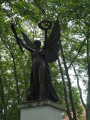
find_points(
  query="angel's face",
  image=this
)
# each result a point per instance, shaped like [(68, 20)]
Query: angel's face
[(37, 44)]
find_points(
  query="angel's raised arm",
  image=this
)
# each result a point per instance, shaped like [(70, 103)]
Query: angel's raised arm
[(25, 46), (19, 41)]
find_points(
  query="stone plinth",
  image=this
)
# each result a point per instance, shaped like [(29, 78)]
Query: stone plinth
[(40, 110)]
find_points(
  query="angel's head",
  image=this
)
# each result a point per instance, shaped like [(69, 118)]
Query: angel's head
[(37, 43)]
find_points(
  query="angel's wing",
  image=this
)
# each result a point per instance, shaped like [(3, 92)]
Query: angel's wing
[(27, 41), (52, 46)]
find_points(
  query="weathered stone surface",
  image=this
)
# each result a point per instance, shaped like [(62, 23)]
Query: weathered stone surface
[(40, 110)]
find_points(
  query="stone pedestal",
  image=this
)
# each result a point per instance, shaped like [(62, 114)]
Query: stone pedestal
[(40, 110)]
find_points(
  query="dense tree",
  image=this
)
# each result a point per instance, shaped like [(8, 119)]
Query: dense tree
[(74, 53)]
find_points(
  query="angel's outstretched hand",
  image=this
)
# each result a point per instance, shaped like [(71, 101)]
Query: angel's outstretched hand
[(17, 38)]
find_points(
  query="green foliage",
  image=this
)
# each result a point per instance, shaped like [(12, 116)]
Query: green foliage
[(74, 23)]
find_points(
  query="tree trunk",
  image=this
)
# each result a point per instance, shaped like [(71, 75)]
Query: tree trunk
[(65, 91), (88, 94), (16, 78), (69, 83), (2, 99), (1, 109), (15, 73), (26, 78)]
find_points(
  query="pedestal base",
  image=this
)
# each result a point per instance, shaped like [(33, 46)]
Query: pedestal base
[(40, 110)]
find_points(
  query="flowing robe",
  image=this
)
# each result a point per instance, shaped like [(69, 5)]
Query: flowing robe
[(41, 82)]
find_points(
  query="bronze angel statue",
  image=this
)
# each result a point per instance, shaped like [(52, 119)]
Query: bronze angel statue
[(41, 83)]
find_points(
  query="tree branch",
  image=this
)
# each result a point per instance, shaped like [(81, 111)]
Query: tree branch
[(15, 71), (79, 87), (78, 51), (39, 7)]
